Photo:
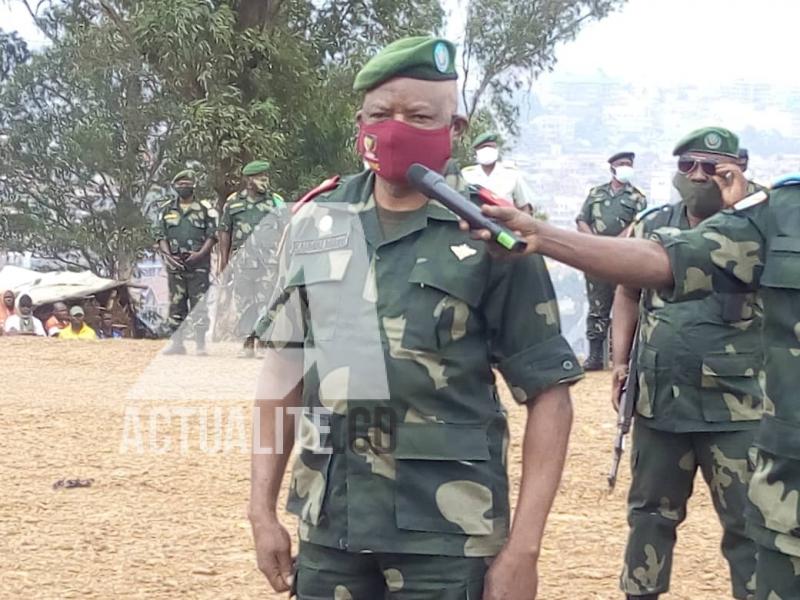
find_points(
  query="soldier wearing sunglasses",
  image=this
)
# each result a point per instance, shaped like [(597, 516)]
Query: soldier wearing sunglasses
[(699, 400), (752, 245)]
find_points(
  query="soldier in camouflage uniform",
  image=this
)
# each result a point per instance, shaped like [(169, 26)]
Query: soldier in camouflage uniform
[(752, 246), (257, 212), (609, 210), (392, 320), (186, 233), (699, 402)]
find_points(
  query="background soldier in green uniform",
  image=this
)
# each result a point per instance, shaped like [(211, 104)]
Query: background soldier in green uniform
[(699, 403), (411, 499), (253, 211), (753, 246), (608, 210), (186, 233)]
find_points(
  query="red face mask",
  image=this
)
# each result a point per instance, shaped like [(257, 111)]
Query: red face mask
[(391, 147)]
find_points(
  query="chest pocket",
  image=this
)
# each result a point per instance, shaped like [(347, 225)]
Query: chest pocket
[(782, 268), (321, 279), (442, 300)]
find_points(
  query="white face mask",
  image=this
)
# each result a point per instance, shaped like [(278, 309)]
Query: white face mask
[(624, 173), (487, 155)]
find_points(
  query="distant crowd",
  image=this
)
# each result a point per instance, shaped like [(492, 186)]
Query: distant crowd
[(65, 323)]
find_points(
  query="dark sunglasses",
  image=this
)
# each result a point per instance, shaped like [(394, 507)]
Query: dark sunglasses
[(687, 164)]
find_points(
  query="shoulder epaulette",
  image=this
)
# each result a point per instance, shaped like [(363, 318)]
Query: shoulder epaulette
[(487, 196), (278, 200), (642, 214), (787, 180), (752, 200), (325, 186)]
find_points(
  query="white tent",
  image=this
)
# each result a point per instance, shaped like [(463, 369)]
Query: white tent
[(44, 288)]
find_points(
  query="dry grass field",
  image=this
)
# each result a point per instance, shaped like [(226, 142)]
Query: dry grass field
[(167, 522)]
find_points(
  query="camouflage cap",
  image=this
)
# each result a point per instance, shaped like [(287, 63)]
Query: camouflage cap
[(255, 167), (486, 138), (622, 156), (420, 57), (187, 174), (716, 140)]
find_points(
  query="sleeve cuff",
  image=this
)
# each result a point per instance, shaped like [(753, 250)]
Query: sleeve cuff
[(540, 367)]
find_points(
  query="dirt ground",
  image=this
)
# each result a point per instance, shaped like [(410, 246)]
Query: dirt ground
[(162, 523)]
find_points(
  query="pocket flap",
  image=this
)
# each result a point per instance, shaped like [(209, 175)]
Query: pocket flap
[(785, 244), (437, 441), (450, 281), (324, 267), (782, 269), (779, 437), (730, 365)]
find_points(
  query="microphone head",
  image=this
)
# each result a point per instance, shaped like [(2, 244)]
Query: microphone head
[(416, 173)]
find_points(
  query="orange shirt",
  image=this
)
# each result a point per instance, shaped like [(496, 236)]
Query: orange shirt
[(53, 326)]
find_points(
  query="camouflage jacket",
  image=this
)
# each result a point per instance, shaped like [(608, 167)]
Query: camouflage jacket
[(700, 361), (607, 213), (187, 230), (404, 438), (242, 214), (758, 248)]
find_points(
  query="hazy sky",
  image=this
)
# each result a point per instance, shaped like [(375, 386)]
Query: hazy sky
[(650, 41)]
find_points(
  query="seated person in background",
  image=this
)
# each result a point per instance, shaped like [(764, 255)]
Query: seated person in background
[(58, 320), (22, 322), (6, 307), (78, 329), (107, 331)]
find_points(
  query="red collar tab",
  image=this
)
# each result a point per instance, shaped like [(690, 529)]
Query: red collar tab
[(325, 186)]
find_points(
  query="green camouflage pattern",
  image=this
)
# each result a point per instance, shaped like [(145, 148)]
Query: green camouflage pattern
[(242, 214), (432, 480), (186, 230), (186, 292), (253, 269), (778, 575), (609, 213), (339, 575), (738, 251), (600, 295), (700, 362), (663, 467)]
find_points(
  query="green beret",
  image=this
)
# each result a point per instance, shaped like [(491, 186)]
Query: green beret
[(485, 138), (255, 167), (421, 57), (185, 174), (709, 139), (621, 156)]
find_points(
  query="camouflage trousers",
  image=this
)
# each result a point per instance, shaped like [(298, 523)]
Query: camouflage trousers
[(250, 293), (186, 291), (777, 575), (600, 295), (663, 466), (331, 574)]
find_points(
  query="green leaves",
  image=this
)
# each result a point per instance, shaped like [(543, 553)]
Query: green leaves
[(508, 44)]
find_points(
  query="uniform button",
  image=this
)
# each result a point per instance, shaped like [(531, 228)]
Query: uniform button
[(568, 365), (360, 444)]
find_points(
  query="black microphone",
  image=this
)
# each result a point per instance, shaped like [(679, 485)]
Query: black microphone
[(434, 186)]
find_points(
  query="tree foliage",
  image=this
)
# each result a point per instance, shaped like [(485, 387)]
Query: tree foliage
[(127, 92), (507, 44)]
